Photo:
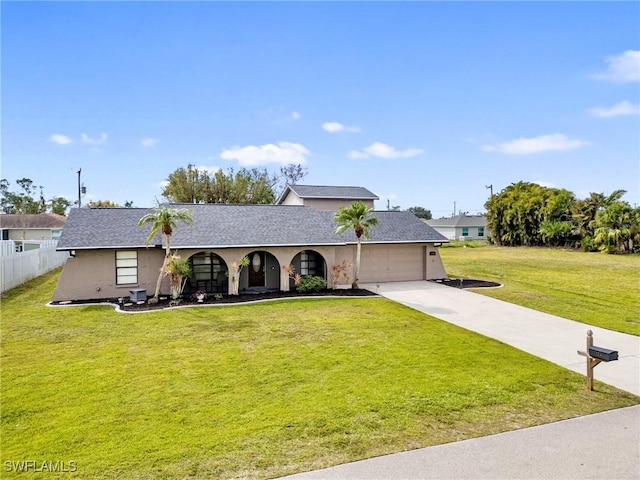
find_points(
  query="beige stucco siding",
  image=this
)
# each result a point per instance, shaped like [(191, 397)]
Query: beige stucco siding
[(30, 234), (395, 263), (92, 274)]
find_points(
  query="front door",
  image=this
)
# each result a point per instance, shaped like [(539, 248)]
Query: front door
[(256, 269)]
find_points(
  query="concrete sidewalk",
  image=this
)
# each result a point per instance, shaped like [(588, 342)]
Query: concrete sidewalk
[(547, 336), (600, 446), (604, 445)]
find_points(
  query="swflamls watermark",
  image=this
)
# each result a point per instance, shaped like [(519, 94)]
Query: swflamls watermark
[(54, 466)]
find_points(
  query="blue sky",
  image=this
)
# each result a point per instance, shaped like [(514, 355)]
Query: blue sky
[(424, 103)]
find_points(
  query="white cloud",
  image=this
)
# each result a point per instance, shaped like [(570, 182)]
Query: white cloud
[(623, 68), (619, 109), (149, 142), (295, 115), (333, 127), (60, 139), (382, 150), (251, 156), (544, 143), (94, 141)]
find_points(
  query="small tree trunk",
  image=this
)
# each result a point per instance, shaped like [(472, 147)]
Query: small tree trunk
[(357, 268), (159, 282), (167, 254)]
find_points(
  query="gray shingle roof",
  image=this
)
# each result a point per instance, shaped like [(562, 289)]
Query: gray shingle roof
[(220, 226), (329, 192), (39, 221)]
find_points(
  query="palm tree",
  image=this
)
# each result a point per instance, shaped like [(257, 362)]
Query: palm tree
[(359, 218), (164, 220)]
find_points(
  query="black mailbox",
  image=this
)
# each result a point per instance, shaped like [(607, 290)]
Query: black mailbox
[(603, 354)]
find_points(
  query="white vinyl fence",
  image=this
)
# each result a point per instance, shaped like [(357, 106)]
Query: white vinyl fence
[(17, 268)]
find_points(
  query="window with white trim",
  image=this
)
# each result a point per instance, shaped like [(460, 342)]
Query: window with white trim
[(126, 267)]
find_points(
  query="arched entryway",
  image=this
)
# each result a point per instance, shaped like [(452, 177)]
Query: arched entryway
[(309, 262), (209, 273), (262, 273)]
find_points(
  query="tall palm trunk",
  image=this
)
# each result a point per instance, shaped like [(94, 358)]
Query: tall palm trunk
[(356, 271), (167, 255)]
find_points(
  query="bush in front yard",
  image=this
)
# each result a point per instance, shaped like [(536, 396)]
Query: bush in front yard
[(310, 283)]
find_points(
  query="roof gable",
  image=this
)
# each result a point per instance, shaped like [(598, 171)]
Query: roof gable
[(328, 192)]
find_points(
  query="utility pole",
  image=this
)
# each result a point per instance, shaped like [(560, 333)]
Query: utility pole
[(490, 187), (454, 208), (79, 189)]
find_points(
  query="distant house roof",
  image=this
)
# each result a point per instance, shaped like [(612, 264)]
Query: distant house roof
[(35, 221), (224, 226), (328, 192), (459, 221)]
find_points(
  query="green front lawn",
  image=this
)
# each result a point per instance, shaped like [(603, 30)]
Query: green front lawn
[(258, 391), (593, 288)]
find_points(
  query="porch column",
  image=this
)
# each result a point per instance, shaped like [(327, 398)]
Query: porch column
[(284, 281)]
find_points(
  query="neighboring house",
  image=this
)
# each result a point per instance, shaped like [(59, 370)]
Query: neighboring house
[(38, 227), (109, 257), (461, 227), (325, 197)]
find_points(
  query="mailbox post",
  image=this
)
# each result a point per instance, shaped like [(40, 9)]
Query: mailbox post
[(595, 355)]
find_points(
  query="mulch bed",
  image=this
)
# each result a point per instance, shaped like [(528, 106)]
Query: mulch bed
[(466, 283), (128, 306)]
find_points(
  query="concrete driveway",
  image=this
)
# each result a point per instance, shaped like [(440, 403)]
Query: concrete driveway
[(547, 336)]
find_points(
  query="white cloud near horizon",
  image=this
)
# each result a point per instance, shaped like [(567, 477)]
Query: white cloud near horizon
[(149, 142), (60, 139), (619, 109), (543, 143), (623, 68), (252, 156), (334, 127), (94, 141), (382, 150)]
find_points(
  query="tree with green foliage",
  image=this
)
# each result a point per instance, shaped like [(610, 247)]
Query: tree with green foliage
[(59, 205), (421, 212), (29, 199), (616, 227), (164, 220), (584, 211), (515, 215), (245, 186), (107, 204), (359, 218)]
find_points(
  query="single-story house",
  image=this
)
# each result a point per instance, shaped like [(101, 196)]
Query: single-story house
[(109, 257), (28, 229), (461, 227)]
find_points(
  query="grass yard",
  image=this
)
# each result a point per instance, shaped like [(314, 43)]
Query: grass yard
[(594, 288), (257, 391)]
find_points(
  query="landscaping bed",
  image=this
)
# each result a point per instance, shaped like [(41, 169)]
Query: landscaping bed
[(125, 305), (466, 283)]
